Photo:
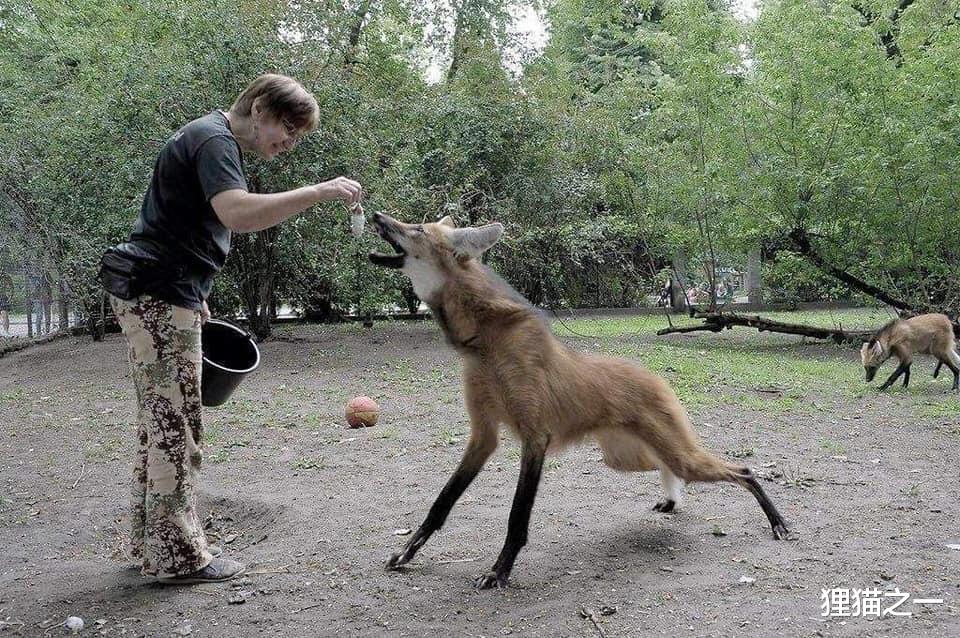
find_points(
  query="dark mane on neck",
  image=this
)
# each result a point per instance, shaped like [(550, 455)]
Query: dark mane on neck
[(883, 329), (474, 300)]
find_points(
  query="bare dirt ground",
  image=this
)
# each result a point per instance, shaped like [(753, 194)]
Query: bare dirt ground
[(315, 509)]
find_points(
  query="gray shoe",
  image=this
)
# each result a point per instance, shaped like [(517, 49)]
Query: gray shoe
[(219, 570)]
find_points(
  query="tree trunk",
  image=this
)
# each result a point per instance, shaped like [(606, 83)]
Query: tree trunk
[(63, 309), (888, 37), (256, 261), (460, 38), (28, 300), (46, 300), (257, 264), (679, 283), (353, 39), (753, 282), (802, 242)]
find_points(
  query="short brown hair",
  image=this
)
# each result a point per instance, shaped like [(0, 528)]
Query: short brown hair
[(282, 97)]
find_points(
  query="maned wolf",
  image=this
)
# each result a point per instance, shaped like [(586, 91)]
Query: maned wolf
[(516, 373), (925, 334)]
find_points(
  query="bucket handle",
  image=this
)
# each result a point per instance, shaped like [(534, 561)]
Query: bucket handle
[(245, 332)]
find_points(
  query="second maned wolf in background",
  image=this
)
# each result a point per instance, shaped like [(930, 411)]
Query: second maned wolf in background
[(924, 334), (518, 374)]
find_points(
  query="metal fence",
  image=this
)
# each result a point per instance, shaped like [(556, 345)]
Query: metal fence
[(33, 306)]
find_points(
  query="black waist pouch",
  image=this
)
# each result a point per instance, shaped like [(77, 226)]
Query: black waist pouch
[(128, 271)]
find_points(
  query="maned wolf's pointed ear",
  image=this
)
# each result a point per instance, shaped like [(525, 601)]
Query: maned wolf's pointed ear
[(473, 242), (447, 221), (877, 348)]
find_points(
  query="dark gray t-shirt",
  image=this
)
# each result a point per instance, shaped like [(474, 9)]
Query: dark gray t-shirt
[(177, 223)]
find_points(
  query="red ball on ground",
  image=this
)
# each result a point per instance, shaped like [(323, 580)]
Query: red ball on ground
[(362, 412)]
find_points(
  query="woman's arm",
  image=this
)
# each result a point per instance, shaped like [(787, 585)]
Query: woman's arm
[(245, 212)]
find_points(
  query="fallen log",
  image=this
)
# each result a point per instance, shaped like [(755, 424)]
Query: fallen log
[(717, 321)]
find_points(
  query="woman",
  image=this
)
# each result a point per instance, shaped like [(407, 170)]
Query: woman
[(159, 281)]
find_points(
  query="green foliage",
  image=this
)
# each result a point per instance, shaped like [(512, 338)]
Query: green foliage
[(599, 263), (789, 278), (647, 133)]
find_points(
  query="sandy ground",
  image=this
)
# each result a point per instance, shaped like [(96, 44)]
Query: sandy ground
[(315, 509)]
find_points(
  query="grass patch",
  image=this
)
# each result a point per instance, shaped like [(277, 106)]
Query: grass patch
[(742, 453), (14, 396), (212, 432), (307, 463), (756, 371), (220, 456), (104, 451), (948, 408), (833, 447), (402, 376), (447, 436), (390, 433), (754, 379), (313, 420)]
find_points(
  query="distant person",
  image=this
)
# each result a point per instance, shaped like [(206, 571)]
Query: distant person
[(728, 291), (722, 291), (159, 282), (664, 299)]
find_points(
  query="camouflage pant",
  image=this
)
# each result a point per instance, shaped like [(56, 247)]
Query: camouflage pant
[(165, 361)]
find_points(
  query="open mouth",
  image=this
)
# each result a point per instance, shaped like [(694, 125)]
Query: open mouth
[(394, 260)]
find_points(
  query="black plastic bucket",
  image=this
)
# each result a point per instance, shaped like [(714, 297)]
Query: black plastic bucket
[(229, 354)]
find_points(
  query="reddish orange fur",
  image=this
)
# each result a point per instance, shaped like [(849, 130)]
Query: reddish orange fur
[(924, 334), (518, 374), (526, 379)]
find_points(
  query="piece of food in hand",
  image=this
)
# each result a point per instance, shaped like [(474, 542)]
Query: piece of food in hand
[(357, 219), (362, 412)]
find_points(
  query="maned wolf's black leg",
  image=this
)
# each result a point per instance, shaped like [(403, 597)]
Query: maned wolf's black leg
[(666, 506), (473, 460), (777, 523), (893, 377), (936, 371), (906, 376), (956, 375), (531, 465)]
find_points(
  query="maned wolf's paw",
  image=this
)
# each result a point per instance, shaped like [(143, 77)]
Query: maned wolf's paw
[(666, 506), (491, 580), (396, 560), (780, 532)]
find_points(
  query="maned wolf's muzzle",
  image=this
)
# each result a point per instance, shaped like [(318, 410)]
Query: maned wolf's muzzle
[(387, 227), (871, 372)]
